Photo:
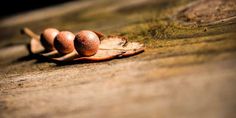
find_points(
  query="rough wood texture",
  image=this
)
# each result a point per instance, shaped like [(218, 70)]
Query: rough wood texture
[(188, 70)]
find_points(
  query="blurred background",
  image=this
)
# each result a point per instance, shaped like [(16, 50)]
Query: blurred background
[(12, 7)]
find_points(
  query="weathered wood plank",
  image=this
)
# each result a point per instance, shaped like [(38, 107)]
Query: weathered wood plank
[(188, 69)]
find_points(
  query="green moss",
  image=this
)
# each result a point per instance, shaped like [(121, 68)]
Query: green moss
[(150, 32)]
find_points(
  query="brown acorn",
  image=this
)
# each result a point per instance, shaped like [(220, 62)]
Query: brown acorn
[(86, 43), (47, 38), (64, 42)]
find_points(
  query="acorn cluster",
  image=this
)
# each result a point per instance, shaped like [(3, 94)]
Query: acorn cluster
[(85, 42)]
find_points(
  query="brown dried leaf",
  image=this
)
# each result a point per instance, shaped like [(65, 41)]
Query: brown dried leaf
[(110, 47)]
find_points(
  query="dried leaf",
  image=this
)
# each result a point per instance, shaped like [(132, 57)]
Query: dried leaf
[(109, 48)]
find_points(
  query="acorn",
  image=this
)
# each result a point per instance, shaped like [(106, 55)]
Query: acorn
[(64, 42), (86, 43), (47, 38)]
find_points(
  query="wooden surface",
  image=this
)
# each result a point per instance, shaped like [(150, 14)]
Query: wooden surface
[(187, 71)]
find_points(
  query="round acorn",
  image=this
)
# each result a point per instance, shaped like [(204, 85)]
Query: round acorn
[(47, 38), (64, 42), (86, 43)]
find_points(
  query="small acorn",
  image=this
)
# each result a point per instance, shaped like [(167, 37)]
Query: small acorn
[(64, 42), (47, 38), (86, 43)]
